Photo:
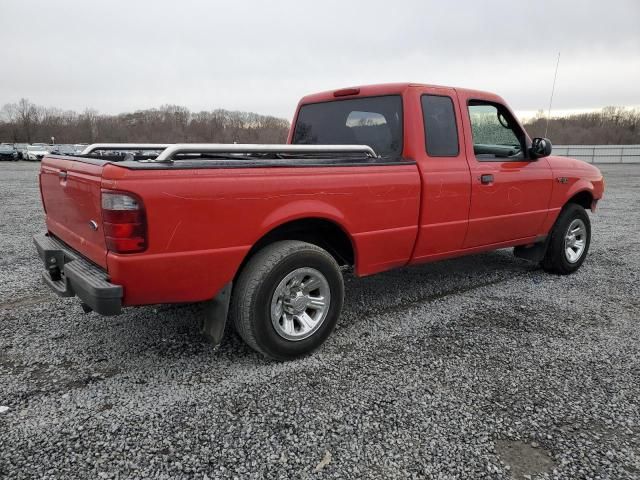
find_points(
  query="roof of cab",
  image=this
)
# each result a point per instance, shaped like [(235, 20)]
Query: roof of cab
[(384, 89)]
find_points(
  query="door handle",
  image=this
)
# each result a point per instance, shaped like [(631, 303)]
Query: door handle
[(486, 179)]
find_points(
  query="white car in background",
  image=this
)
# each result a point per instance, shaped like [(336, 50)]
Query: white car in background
[(35, 152)]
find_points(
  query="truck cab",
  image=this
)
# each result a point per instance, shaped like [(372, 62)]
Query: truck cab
[(484, 185)]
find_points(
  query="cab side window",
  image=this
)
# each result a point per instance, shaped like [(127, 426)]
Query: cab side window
[(496, 134), (440, 131)]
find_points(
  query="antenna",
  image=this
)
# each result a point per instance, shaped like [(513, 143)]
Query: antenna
[(555, 75)]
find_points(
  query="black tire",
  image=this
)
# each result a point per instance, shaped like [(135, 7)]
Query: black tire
[(556, 259), (254, 290)]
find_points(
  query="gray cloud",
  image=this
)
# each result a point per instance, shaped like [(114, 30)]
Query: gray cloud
[(262, 56)]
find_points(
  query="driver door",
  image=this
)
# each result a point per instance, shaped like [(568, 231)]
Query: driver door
[(510, 193)]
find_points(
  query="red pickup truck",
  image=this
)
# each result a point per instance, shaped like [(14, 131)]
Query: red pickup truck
[(374, 178)]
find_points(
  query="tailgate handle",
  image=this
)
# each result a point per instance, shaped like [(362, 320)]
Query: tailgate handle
[(62, 175)]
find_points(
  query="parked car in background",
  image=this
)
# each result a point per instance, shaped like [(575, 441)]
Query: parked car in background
[(63, 149), (79, 147), (35, 152), (8, 152), (21, 150), (150, 153)]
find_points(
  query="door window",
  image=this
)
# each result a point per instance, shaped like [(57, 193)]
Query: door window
[(496, 135), (440, 131)]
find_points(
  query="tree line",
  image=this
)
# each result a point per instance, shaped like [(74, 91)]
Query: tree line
[(27, 122), (609, 126)]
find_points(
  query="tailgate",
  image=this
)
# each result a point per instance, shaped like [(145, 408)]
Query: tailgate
[(71, 196)]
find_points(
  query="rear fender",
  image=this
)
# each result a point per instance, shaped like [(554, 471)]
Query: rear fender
[(308, 209)]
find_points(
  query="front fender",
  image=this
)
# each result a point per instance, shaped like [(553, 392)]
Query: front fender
[(581, 185), (567, 186)]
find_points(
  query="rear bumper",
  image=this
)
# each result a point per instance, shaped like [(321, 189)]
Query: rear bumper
[(68, 273)]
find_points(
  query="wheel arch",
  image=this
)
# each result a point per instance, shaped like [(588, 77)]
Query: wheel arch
[(321, 231), (584, 198)]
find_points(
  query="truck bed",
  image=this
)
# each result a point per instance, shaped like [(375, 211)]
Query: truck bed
[(193, 204), (235, 156)]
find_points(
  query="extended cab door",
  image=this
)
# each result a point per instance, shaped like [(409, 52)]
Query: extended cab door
[(510, 192), (434, 126)]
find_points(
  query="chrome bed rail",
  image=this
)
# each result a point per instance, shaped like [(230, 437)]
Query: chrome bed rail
[(170, 150), (124, 146)]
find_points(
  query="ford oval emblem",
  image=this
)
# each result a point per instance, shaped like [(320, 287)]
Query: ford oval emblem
[(93, 224)]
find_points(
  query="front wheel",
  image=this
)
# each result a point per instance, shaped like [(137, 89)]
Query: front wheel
[(569, 242), (287, 299)]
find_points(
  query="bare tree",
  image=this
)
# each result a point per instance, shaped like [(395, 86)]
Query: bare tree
[(88, 126), (27, 117), (609, 126), (9, 115)]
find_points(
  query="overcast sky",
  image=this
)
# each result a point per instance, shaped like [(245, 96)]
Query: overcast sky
[(258, 56)]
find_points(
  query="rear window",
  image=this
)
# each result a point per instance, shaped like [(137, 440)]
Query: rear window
[(372, 121)]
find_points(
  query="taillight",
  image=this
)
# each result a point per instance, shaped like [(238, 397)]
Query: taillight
[(124, 222)]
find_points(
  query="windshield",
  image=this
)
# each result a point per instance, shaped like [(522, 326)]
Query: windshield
[(6, 147), (36, 148), (372, 121)]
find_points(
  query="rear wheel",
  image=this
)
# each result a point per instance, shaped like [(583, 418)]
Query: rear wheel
[(569, 242), (287, 299)]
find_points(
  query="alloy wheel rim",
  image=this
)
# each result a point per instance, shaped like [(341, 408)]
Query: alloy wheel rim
[(300, 304), (575, 240)]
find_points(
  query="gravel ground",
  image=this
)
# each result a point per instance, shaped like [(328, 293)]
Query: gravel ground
[(481, 367)]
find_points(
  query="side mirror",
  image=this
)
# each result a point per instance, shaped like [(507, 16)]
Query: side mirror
[(540, 147)]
